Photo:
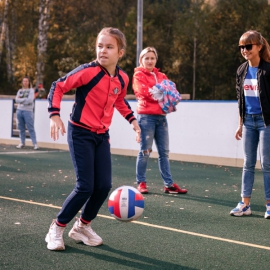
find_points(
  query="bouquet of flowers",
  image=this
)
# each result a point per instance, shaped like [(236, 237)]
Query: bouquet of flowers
[(166, 94)]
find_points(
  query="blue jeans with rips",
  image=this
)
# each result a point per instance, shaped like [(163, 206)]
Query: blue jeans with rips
[(255, 134), (91, 157), (26, 118), (153, 128)]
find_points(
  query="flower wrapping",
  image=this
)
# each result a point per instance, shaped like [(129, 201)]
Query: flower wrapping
[(167, 95)]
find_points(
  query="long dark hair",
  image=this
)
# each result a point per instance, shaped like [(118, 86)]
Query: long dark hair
[(254, 37), (29, 81)]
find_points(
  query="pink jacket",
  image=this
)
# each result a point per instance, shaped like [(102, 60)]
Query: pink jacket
[(143, 79)]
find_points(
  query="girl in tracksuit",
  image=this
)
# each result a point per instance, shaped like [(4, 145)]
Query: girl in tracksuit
[(100, 86)]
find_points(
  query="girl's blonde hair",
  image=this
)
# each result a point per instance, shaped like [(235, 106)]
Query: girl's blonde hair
[(117, 34), (254, 37), (145, 51)]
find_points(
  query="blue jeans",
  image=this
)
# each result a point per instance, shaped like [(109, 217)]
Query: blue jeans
[(91, 157), (255, 134), (26, 118), (153, 127)]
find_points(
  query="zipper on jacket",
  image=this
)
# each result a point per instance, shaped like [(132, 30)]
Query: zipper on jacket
[(242, 94), (259, 87), (155, 76)]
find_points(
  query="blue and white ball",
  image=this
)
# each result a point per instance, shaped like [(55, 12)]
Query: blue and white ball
[(126, 203)]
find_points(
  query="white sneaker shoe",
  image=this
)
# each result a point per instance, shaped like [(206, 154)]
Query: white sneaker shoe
[(84, 233), (267, 213), (54, 237), (21, 145), (36, 147), (241, 210)]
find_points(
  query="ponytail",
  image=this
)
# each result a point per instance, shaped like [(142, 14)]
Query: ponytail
[(265, 51)]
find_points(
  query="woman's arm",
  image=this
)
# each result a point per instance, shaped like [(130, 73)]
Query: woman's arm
[(238, 133), (141, 86), (19, 97), (30, 98)]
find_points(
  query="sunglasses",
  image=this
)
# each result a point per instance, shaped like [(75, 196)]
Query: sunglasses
[(248, 47)]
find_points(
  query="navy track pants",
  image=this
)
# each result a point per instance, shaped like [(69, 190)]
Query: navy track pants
[(91, 157)]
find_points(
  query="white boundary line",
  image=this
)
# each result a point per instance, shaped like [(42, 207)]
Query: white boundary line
[(153, 226), (31, 152)]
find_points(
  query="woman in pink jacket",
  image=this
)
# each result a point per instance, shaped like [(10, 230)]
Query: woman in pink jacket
[(152, 121)]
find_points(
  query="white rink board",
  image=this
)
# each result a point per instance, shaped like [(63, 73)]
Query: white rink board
[(198, 130)]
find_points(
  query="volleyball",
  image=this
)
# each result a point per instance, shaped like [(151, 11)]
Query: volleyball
[(126, 203)]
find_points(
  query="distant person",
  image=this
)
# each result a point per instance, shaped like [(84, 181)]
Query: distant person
[(152, 121), (101, 86), (253, 94), (25, 116), (40, 92)]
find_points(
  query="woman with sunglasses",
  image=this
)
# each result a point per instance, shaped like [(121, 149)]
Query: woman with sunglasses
[(253, 94)]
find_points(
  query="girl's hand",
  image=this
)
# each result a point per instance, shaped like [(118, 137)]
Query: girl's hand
[(238, 133), (56, 124)]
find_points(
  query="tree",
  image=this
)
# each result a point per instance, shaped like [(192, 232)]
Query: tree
[(4, 27), (228, 21), (23, 26), (196, 42), (43, 27)]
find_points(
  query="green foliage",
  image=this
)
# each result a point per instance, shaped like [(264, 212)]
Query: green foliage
[(171, 26)]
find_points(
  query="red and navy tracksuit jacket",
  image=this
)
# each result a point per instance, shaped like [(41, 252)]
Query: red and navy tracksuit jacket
[(97, 93)]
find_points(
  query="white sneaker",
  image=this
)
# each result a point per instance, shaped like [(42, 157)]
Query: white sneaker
[(54, 237), (240, 210), (36, 147), (84, 233), (267, 213), (21, 145)]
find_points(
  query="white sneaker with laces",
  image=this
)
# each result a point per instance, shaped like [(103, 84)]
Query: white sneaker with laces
[(36, 147), (267, 213), (84, 233), (21, 145), (54, 237), (241, 210)]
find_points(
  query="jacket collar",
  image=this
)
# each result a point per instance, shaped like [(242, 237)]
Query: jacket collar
[(105, 70), (140, 68)]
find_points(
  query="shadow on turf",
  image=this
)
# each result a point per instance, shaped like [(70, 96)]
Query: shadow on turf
[(193, 198), (250, 216), (255, 207), (130, 259)]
